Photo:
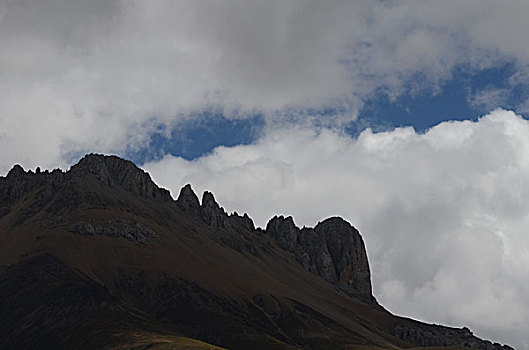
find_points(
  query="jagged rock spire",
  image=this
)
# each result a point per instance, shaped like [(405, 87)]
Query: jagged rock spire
[(212, 213), (188, 201)]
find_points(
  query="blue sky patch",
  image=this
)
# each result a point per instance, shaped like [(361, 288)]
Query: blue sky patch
[(461, 98), (457, 100), (198, 136)]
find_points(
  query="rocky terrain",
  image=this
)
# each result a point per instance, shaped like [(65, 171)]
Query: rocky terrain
[(101, 257)]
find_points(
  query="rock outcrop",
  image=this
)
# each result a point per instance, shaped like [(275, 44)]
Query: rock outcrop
[(133, 231), (333, 250), (441, 336)]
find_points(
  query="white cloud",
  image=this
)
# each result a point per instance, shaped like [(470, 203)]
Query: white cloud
[(78, 76), (444, 213)]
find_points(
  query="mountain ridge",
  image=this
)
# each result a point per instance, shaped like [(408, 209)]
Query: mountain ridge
[(133, 242)]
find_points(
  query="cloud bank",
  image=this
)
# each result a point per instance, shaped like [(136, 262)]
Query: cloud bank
[(78, 76), (444, 214)]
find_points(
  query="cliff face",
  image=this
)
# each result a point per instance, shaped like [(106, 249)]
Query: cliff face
[(333, 250), (143, 263)]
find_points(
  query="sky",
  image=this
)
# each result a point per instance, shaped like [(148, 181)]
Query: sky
[(407, 118)]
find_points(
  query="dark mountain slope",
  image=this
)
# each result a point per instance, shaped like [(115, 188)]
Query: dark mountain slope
[(100, 257)]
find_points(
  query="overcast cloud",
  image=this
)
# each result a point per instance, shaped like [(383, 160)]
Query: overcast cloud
[(444, 214), (108, 72)]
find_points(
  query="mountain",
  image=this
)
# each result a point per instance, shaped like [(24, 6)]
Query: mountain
[(101, 257)]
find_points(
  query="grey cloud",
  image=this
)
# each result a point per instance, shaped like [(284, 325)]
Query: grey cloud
[(99, 74)]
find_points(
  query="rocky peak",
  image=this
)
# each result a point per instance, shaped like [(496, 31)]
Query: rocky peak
[(110, 171), (17, 172), (115, 171), (93, 165)]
